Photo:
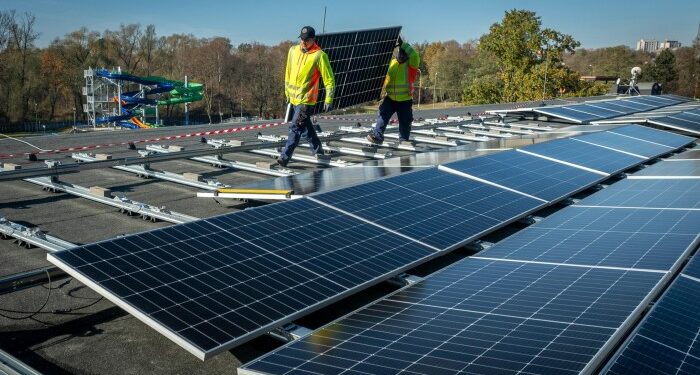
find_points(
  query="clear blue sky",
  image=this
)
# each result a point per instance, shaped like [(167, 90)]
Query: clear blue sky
[(595, 23)]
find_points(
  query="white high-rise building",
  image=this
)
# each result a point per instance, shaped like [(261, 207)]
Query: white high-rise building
[(654, 46)]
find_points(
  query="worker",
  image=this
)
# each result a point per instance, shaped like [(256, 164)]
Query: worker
[(398, 85), (306, 65)]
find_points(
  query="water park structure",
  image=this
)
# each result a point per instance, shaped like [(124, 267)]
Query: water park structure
[(122, 99)]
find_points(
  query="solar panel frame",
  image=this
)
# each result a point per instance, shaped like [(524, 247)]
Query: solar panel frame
[(196, 312), (360, 61)]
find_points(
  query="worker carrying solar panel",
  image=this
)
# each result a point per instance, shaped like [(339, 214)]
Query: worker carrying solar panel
[(307, 64), (399, 93)]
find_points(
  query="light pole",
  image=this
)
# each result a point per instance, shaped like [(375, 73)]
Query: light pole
[(241, 109), (36, 115), (74, 123), (591, 68), (434, 89)]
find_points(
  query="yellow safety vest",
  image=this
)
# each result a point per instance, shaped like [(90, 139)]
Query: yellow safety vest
[(304, 70), (400, 77)]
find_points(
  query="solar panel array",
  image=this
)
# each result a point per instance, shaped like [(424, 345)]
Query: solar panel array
[(360, 60), (688, 121), (215, 283), (592, 111), (556, 297), (685, 168)]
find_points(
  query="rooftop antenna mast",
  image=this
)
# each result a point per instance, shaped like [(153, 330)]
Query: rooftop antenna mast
[(632, 89)]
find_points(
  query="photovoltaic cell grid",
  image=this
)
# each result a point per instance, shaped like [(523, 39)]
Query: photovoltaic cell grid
[(475, 317), (586, 155), (653, 135), (672, 168), (688, 154), (211, 284), (626, 144), (693, 268), (434, 207), (529, 174), (626, 238), (586, 112), (360, 61), (687, 121), (649, 193), (667, 340)]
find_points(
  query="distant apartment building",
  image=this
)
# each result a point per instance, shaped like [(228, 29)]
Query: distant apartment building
[(654, 46)]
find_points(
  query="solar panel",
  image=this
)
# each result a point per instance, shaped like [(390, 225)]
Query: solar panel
[(649, 193), (434, 207), (568, 113), (626, 238), (586, 112), (675, 122), (476, 317), (687, 154), (692, 269), (212, 284), (672, 168), (586, 155), (626, 144), (536, 176), (360, 60), (653, 135), (667, 340)]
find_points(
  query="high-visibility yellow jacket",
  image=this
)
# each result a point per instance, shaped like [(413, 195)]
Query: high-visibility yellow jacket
[(304, 70), (400, 77)]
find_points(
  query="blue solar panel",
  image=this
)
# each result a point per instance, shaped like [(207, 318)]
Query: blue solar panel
[(613, 106), (627, 238), (672, 167), (667, 340), (437, 208), (653, 135), (652, 193), (568, 113), (475, 317), (626, 144), (676, 123), (639, 107), (215, 283), (693, 267), (596, 110), (536, 176), (585, 155)]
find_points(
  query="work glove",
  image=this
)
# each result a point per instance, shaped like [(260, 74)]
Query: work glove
[(327, 107)]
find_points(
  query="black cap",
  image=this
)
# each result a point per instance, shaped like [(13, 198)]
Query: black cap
[(307, 32)]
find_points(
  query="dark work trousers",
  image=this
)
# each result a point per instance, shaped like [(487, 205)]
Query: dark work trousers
[(403, 110), (301, 126)]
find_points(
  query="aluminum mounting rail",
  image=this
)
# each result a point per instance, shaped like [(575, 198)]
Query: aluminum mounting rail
[(427, 140), (142, 171), (32, 236), (218, 161), (146, 211), (305, 158)]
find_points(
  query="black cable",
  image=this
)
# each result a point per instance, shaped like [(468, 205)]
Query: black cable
[(31, 314)]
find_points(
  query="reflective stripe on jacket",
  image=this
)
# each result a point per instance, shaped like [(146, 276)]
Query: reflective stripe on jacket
[(303, 73), (400, 77)]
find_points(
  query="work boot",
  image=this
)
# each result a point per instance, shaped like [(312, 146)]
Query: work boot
[(373, 139), (282, 163)]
